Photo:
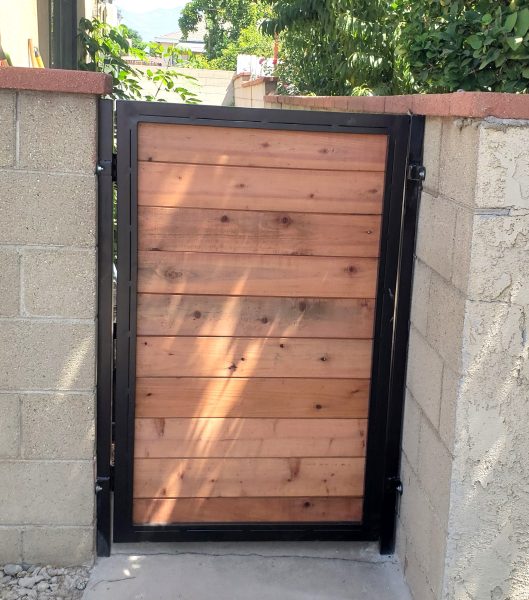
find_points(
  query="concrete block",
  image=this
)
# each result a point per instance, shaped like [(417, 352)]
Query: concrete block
[(57, 132), (436, 230), (61, 546), (73, 291), (9, 282), (9, 426), (58, 426), (416, 577), (449, 398), (459, 157), (42, 356), (411, 429), (500, 269), (432, 153), (10, 545), (446, 320), (7, 128), (415, 513), (45, 209), (462, 248), (436, 556), (47, 493), (424, 376), (503, 166), (422, 275), (435, 471)]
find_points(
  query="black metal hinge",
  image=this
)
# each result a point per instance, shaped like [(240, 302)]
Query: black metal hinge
[(395, 485), (416, 172), (105, 167)]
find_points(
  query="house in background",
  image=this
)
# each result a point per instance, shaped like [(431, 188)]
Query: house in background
[(51, 25), (194, 43)]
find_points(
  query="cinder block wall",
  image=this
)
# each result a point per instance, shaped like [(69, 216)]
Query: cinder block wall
[(47, 326), (250, 93)]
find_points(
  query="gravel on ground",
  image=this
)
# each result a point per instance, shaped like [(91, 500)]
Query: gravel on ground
[(32, 582)]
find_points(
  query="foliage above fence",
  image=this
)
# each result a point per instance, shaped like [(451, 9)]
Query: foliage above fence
[(402, 46)]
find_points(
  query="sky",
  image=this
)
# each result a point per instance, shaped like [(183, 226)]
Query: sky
[(151, 18)]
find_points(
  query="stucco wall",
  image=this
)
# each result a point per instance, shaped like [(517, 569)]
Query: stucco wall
[(47, 326), (213, 87)]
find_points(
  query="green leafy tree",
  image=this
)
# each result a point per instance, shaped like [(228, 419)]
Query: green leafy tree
[(105, 46), (333, 47), (251, 41), (465, 44), (224, 21)]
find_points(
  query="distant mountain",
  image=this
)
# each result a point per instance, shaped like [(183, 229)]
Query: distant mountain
[(153, 23)]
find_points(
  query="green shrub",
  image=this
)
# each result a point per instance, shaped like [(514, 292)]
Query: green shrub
[(469, 45)]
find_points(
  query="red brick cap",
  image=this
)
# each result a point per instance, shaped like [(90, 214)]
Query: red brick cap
[(458, 104), (55, 80)]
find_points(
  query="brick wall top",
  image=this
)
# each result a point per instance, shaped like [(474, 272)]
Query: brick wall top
[(259, 80), (459, 104), (55, 80)]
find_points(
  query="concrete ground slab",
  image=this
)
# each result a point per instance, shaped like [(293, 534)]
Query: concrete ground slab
[(247, 571)]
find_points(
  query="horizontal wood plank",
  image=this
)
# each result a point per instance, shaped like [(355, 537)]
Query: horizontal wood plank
[(259, 438), (165, 314), (253, 232), (156, 511), (244, 188), (242, 397), (162, 142), (256, 275), (252, 357), (261, 477)]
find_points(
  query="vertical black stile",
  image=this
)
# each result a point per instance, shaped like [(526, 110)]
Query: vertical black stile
[(397, 382), (104, 326)]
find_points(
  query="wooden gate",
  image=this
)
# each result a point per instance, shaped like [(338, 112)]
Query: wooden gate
[(258, 257)]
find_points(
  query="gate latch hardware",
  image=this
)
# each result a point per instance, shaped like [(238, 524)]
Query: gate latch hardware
[(108, 166), (416, 172), (395, 484), (100, 481)]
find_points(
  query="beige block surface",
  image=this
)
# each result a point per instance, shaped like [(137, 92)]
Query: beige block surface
[(435, 471), (446, 320), (422, 276), (39, 208), (500, 269), (7, 128), (503, 175), (9, 425), (59, 283), (432, 153), (47, 493), (449, 399), (411, 430), (57, 132), (61, 546), (416, 577), (9, 282), (43, 355), (459, 157), (462, 248), (424, 378), (435, 236), (58, 426), (10, 545)]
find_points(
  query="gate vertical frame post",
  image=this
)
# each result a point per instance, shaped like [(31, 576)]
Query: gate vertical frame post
[(104, 325), (399, 358)]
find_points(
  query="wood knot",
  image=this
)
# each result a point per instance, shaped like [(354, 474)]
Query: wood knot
[(285, 220), (324, 151), (264, 320), (224, 218), (306, 504), (324, 358), (352, 269), (172, 274), (197, 314), (232, 367), (302, 306), (281, 345), (318, 407)]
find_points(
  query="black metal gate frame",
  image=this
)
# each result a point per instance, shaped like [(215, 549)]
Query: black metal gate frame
[(401, 197)]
